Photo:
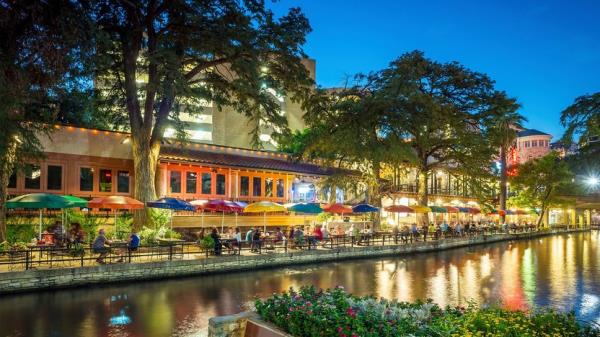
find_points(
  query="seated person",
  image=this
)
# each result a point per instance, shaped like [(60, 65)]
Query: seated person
[(99, 246)]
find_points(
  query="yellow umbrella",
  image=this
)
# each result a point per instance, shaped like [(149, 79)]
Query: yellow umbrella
[(264, 207), (421, 209)]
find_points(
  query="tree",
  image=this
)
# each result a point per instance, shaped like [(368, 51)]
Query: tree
[(582, 118), (541, 182), (159, 59), (41, 52), (439, 110), (504, 123)]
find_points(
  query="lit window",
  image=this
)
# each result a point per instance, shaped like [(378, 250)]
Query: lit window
[(123, 182), (220, 184), (32, 177), (12, 181), (256, 186), (534, 143), (86, 179), (54, 181), (175, 182), (269, 187), (244, 186), (105, 180), (280, 188), (206, 183), (190, 182)]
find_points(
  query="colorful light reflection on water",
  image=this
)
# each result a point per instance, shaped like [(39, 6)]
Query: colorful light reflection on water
[(559, 271)]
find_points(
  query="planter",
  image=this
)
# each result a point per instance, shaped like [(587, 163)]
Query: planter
[(245, 324)]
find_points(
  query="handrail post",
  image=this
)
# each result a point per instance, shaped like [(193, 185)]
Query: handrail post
[(27, 260), (170, 252)]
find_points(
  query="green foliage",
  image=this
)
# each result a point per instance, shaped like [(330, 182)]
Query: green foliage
[(150, 236), (20, 233), (89, 224), (541, 183), (160, 217), (582, 118), (207, 243), (334, 313)]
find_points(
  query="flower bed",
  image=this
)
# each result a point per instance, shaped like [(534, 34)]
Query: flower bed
[(335, 313)]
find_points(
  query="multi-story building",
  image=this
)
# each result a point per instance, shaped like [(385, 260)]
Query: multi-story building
[(530, 144)]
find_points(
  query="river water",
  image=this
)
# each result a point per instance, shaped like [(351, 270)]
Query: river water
[(560, 271)]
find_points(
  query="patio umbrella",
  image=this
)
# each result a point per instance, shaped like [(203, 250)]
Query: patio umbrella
[(438, 209), (115, 202), (305, 208), (200, 204), (337, 208), (220, 205), (172, 204), (364, 208), (463, 209), (421, 209), (452, 209), (398, 209), (264, 207), (77, 202), (39, 201), (473, 210)]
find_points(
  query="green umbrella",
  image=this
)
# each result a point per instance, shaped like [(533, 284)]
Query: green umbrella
[(306, 208), (39, 201), (438, 209), (77, 202)]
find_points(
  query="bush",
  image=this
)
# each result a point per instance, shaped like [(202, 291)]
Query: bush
[(207, 243), (20, 233), (335, 313), (150, 236)]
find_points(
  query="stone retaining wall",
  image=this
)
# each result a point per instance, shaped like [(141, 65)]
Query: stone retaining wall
[(30, 280)]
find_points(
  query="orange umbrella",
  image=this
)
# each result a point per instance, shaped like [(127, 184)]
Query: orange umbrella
[(337, 208), (115, 202)]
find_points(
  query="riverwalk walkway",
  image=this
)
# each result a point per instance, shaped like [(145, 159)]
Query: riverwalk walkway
[(42, 270)]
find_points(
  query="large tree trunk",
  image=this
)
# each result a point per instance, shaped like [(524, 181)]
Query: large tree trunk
[(422, 195), (503, 182), (145, 160), (7, 165)]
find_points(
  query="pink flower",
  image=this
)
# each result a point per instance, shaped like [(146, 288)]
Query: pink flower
[(351, 313), (339, 329)]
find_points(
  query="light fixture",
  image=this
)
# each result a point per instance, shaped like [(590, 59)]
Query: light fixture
[(125, 140), (592, 181)]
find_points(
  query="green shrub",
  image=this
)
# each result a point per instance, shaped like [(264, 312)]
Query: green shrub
[(20, 233), (334, 313), (207, 243)]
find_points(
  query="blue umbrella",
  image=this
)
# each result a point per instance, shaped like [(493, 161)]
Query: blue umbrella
[(364, 208), (172, 204)]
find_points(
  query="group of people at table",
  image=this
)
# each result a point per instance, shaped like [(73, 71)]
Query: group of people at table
[(296, 237), (75, 236)]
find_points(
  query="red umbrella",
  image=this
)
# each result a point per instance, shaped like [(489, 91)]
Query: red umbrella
[(337, 208), (452, 209), (219, 205), (474, 210), (115, 202), (199, 204), (399, 209)]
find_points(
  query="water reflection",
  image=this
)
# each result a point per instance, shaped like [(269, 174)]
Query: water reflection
[(560, 271)]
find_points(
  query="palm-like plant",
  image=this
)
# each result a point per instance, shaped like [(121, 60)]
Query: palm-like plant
[(504, 127)]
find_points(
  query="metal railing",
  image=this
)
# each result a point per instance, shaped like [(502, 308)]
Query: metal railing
[(45, 257)]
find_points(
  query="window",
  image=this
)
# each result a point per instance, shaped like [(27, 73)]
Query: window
[(256, 187), (175, 182), (206, 183), (527, 144), (54, 181), (220, 184), (12, 181), (105, 180), (244, 186), (534, 143), (269, 187), (280, 188), (32, 176), (86, 179), (123, 181), (191, 179)]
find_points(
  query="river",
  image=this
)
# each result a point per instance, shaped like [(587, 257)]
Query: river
[(560, 271)]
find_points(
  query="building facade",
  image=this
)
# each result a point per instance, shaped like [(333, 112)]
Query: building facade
[(530, 144)]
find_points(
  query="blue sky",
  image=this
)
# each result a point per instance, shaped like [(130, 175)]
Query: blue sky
[(544, 53)]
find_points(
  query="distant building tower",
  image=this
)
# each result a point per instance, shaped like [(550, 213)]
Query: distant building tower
[(530, 144)]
